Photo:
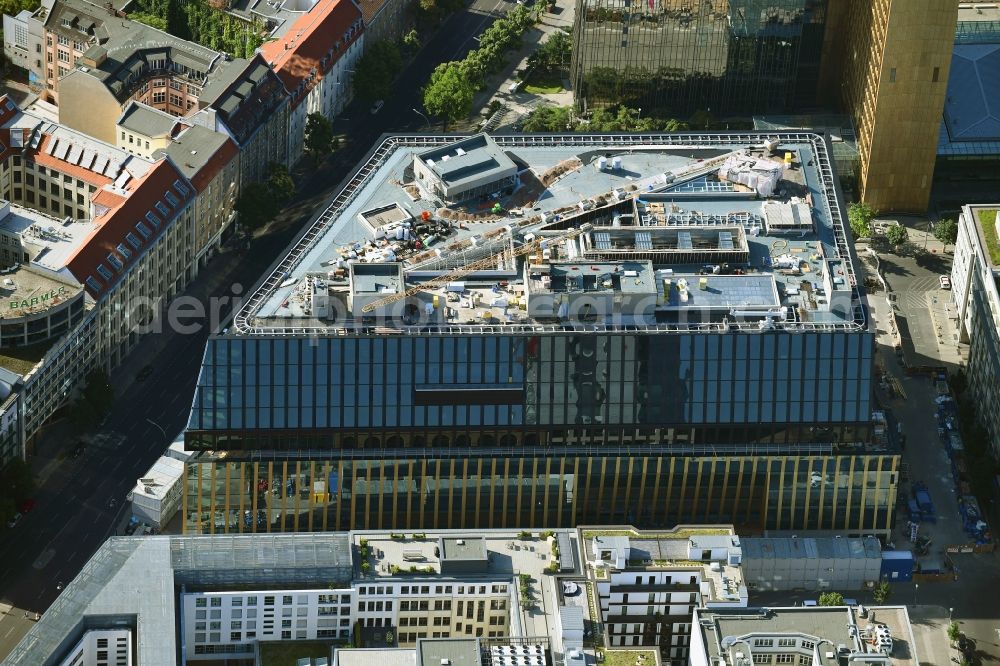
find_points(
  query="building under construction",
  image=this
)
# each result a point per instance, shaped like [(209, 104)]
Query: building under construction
[(629, 329)]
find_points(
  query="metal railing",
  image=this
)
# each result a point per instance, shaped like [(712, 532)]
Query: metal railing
[(245, 322)]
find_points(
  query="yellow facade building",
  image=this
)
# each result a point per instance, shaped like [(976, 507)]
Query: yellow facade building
[(887, 64)]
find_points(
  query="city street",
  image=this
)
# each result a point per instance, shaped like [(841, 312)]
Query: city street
[(74, 511)]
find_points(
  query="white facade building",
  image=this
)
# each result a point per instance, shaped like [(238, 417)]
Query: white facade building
[(102, 647), (974, 285)]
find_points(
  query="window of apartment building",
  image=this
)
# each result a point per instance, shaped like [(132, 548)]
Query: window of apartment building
[(763, 642), (936, 75), (43, 201), (784, 659), (892, 75), (176, 85), (116, 263), (54, 188), (159, 97), (62, 70), (175, 100), (786, 642), (67, 194), (63, 41), (808, 645), (762, 659), (62, 55), (805, 660)]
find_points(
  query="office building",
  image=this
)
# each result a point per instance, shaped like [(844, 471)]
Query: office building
[(492, 598), (723, 56), (636, 334), (887, 64), (315, 60), (79, 218), (817, 636), (974, 274)]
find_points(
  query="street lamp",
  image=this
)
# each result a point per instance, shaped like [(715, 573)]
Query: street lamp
[(916, 588)]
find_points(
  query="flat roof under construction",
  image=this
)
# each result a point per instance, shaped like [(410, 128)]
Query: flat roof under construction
[(750, 245)]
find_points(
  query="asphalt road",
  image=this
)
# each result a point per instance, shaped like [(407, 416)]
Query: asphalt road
[(73, 513)]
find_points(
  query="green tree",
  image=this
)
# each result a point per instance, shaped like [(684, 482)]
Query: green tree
[(150, 20), (674, 125), (896, 235), (411, 40), (860, 216), (954, 632), (318, 136), (881, 592), (449, 94), (946, 231), (831, 599), (279, 183), (375, 71), (256, 206), (14, 7), (553, 54)]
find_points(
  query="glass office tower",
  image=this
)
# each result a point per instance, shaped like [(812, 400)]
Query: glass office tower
[(682, 56)]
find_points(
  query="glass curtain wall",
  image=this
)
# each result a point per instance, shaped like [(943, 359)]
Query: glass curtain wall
[(682, 56)]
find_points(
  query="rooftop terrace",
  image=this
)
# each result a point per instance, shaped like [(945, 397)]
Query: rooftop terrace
[(708, 249), (839, 634)]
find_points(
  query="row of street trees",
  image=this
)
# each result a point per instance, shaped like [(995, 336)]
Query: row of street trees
[(260, 202), (607, 119), (860, 216), (453, 84)]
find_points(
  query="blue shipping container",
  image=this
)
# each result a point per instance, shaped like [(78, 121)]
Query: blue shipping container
[(897, 566)]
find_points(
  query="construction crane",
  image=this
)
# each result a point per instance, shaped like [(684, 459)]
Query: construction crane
[(480, 264)]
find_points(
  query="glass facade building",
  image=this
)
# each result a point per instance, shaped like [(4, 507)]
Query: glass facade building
[(662, 389), (463, 431), (723, 56)]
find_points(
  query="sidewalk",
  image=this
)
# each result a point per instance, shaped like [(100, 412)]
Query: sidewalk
[(498, 85)]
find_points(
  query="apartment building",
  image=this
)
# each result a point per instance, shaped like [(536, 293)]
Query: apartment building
[(97, 62), (315, 60), (83, 215), (647, 584), (385, 20), (246, 101), (975, 276), (210, 160)]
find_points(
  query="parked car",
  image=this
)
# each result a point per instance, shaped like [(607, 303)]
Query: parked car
[(14, 521), (377, 106), (945, 281)]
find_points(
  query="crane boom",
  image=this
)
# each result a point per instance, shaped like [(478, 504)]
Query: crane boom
[(472, 267)]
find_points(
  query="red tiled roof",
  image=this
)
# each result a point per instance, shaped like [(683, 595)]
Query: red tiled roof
[(307, 42), (369, 8), (143, 194), (86, 175), (7, 113)]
